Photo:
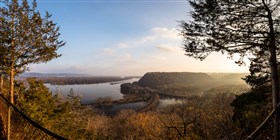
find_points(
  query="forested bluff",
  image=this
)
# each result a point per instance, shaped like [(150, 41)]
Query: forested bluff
[(186, 84)]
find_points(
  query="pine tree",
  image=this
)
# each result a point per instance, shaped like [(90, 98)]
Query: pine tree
[(26, 38), (36, 101), (250, 28)]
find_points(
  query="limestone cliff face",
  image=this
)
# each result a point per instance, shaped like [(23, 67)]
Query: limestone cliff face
[(157, 79)]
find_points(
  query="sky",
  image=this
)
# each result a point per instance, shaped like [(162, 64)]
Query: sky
[(124, 37)]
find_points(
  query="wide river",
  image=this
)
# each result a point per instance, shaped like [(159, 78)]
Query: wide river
[(90, 92)]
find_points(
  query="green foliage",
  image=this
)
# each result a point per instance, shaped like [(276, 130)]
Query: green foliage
[(26, 36), (37, 101), (63, 115)]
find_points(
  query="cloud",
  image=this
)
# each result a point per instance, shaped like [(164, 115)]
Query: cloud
[(169, 48), (149, 52), (165, 33), (159, 49), (157, 35), (147, 39), (125, 57), (158, 38), (156, 58), (122, 46), (136, 50), (108, 51)]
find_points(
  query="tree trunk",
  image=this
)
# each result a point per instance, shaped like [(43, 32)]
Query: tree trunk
[(12, 101), (275, 92), (274, 75), (12, 86), (274, 71), (1, 83), (9, 123)]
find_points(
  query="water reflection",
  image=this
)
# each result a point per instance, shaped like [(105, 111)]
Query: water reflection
[(90, 92)]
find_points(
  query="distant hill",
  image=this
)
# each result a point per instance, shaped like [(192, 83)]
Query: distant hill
[(229, 78), (33, 74), (159, 79), (188, 84)]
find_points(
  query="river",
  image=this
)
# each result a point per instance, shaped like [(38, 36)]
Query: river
[(89, 93)]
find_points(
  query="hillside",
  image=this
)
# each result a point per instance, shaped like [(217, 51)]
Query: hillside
[(229, 78), (160, 79), (187, 84)]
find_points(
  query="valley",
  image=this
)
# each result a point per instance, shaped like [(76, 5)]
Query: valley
[(112, 94)]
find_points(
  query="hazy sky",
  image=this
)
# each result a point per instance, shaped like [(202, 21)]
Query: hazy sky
[(124, 37)]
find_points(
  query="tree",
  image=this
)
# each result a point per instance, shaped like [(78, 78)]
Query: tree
[(36, 101), (180, 122), (26, 38), (62, 115), (250, 28)]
